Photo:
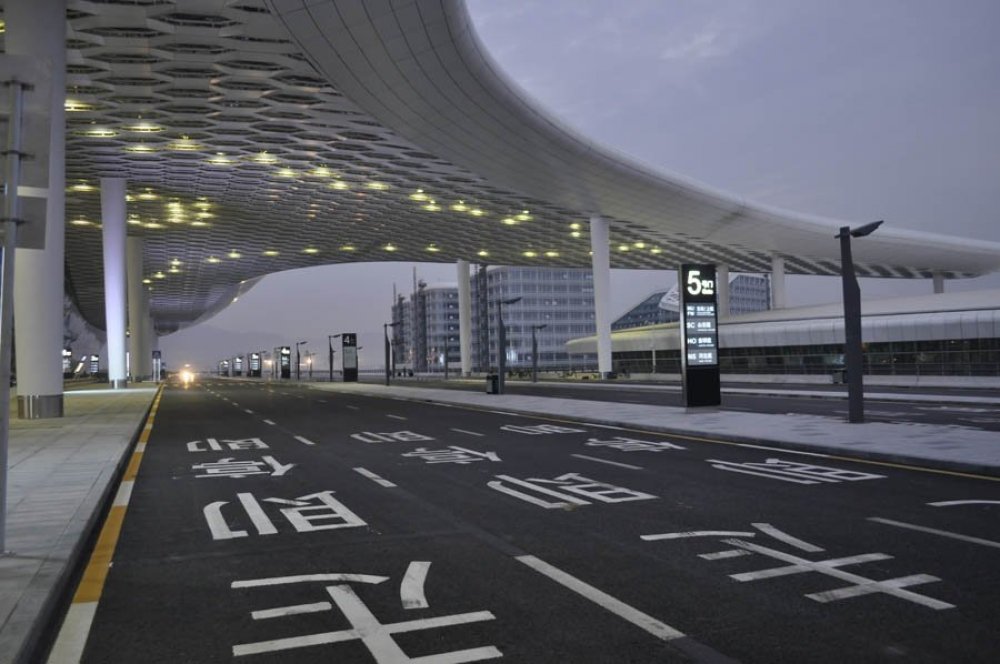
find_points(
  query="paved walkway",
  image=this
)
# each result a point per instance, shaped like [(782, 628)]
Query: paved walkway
[(60, 475), (938, 446)]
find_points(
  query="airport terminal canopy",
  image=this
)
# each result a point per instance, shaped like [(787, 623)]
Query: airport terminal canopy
[(258, 136)]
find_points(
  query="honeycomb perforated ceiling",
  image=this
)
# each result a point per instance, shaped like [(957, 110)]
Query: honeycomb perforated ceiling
[(243, 160)]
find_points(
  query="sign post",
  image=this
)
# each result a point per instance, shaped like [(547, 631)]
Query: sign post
[(699, 326), (285, 361), (349, 356)]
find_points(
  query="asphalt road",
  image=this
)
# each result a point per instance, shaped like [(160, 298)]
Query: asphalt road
[(379, 530), (834, 404)]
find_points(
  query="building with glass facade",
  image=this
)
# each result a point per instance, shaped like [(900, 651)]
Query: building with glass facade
[(560, 299), (747, 293)]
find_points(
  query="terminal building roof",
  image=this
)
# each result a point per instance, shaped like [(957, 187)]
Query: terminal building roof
[(259, 136)]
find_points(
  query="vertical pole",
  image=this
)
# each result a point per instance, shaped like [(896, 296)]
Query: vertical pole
[(329, 343), (501, 350), (853, 353), (133, 279), (601, 265), (385, 334), (113, 219), (534, 355), (777, 282), (11, 210), (938, 282), (465, 317), (298, 363)]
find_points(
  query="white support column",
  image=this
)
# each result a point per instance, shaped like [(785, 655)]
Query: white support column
[(113, 220), (777, 282), (465, 316), (722, 288), (39, 29), (148, 336), (601, 265), (133, 256), (938, 283)]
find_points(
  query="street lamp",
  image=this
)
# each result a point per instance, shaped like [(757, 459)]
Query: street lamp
[(298, 362), (502, 345), (329, 340), (534, 352), (853, 352), (385, 333)]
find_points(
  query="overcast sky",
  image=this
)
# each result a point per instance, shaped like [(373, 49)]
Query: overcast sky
[(855, 109)]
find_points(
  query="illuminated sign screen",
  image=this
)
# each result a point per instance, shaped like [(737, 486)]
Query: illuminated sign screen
[(254, 361), (699, 326), (350, 350)]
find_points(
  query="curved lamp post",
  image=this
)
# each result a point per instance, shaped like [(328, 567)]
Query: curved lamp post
[(853, 351)]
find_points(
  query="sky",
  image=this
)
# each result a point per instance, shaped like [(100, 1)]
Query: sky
[(856, 110)]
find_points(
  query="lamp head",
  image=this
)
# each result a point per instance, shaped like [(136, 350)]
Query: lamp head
[(867, 229)]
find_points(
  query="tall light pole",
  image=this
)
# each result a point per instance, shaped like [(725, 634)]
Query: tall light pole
[(385, 333), (853, 351), (534, 351), (329, 340), (502, 344), (298, 362)]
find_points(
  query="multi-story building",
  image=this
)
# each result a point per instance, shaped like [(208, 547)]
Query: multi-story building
[(560, 299), (749, 293)]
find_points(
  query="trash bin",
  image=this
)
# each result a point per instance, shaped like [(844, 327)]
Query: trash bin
[(492, 384)]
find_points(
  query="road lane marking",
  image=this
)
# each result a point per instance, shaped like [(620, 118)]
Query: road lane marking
[(395, 417), (269, 422), (610, 463), (411, 590), (605, 426), (696, 533), (470, 433), (782, 536), (303, 440), (722, 555), (641, 620), (76, 626), (950, 503), (353, 407), (935, 531), (248, 411), (374, 478)]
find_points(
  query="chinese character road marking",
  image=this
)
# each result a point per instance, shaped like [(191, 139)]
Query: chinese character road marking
[(390, 437), (365, 627), (326, 508), (798, 565), (586, 487), (452, 454), (626, 444), (539, 429), (213, 445), (232, 468), (789, 471)]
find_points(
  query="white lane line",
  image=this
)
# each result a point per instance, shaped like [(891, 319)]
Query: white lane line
[(124, 493), (470, 433), (353, 407), (269, 422), (320, 400), (605, 426), (935, 531), (782, 536), (622, 610), (503, 412), (695, 533), (722, 555), (783, 450), (304, 441), (610, 463), (140, 447), (950, 503), (248, 411), (411, 590), (73, 633), (395, 417), (374, 478)]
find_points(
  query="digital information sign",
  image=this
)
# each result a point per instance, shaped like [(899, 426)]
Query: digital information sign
[(349, 356), (238, 366), (254, 370), (285, 361), (700, 335)]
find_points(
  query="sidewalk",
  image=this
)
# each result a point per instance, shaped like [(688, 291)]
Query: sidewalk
[(61, 472), (935, 446)]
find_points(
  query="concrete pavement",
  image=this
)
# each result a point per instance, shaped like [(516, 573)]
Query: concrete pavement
[(61, 473)]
